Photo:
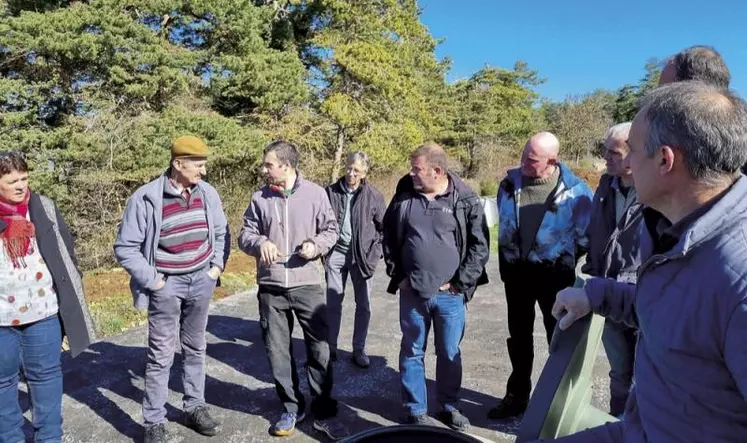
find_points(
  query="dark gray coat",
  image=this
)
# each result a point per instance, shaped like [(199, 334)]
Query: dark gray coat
[(614, 248), (74, 317), (367, 221)]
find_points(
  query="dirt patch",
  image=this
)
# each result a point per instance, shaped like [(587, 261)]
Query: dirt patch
[(240, 275), (590, 176), (102, 284)]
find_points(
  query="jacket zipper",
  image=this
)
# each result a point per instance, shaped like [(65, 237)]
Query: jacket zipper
[(352, 226), (656, 260), (287, 239)]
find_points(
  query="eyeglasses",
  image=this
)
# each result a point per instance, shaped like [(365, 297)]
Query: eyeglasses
[(355, 171)]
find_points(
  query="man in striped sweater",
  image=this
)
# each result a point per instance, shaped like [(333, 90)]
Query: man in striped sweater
[(172, 241)]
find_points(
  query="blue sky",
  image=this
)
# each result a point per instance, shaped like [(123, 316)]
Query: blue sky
[(582, 45)]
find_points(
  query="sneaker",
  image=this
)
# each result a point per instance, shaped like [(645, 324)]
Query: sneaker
[(454, 419), (361, 359), (509, 407), (157, 434), (200, 420), (332, 427), (422, 420), (287, 424)]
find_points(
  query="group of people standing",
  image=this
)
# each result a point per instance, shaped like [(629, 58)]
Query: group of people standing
[(666, 250), (664, 236), (291, 223)]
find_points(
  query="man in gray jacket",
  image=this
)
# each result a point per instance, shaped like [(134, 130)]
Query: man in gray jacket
[(172, 241), (288, 227), (360, 209), (690, 300)]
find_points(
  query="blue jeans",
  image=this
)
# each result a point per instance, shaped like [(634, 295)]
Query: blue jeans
[(36, 347), (447, 313)]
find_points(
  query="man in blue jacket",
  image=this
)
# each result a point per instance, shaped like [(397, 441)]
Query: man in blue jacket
[(687, 145), (544, 213)]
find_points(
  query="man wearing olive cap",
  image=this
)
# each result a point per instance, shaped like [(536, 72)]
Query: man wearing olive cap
[(172, 242)]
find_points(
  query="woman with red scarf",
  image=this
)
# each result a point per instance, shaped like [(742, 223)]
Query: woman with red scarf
[(41, 299)]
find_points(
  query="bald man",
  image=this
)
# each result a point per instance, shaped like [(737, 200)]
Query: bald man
[(544, 212)]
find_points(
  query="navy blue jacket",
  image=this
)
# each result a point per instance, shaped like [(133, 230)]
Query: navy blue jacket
[(690, 306)]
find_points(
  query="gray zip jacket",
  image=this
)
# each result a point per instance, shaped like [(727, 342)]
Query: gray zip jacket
[(288, 221), (139, 231)]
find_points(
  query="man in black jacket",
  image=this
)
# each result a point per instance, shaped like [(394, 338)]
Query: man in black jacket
[(359, 207), (614, 252), (436, 246)]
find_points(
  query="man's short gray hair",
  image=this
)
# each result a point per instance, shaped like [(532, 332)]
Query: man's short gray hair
[(707, 124), (619, 131), (361, 157)]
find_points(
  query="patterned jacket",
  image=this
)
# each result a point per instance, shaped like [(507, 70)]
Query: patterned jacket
[(562, 236)]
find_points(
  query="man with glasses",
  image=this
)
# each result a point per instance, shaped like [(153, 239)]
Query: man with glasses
[(172, 241), (360, 208), (614, 245)]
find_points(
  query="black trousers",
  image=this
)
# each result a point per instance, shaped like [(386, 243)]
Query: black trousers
[(276, 309), (528, 284)]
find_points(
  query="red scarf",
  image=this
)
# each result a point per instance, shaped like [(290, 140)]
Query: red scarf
[(19, 231)]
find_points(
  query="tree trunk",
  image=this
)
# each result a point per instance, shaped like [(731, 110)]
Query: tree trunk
[(471, 165), (339, 147)]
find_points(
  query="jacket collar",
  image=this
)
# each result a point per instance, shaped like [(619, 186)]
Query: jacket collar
[(461, 188), (342, 187), (38, 215), (567, 178), (276, 190), (729, 212), (157, 186)]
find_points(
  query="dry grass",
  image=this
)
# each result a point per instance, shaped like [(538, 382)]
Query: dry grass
[(386, 181)]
